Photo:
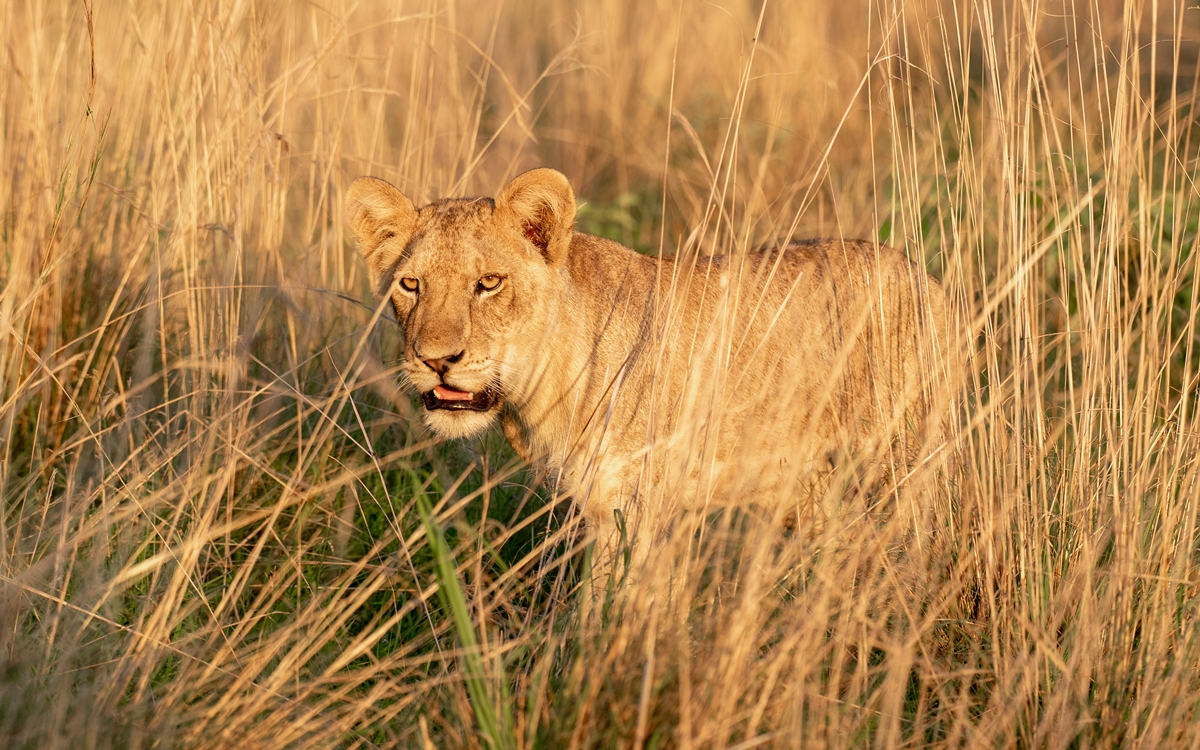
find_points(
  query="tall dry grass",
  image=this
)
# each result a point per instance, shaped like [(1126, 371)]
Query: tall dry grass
[(221, 524)]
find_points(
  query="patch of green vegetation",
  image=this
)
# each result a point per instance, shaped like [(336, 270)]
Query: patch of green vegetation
[(631, 218)]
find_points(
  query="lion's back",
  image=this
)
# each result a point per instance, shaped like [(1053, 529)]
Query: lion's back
[(800, 351)]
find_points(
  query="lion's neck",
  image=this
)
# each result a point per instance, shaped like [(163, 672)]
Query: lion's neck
[(591, 345)]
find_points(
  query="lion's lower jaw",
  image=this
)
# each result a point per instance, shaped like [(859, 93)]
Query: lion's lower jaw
[(459, 424)]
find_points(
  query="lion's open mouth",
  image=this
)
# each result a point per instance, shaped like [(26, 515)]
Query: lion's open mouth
[(442, 397)]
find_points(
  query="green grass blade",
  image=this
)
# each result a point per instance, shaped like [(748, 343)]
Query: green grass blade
[(496, 728)]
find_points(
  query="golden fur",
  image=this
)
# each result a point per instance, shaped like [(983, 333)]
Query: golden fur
[(635, 378)]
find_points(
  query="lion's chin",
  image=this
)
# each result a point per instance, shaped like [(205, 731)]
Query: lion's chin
[(459, 424)]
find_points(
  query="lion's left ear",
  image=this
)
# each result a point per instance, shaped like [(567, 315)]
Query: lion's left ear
[(542, 204)]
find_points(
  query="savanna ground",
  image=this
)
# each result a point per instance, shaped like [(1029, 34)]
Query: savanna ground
[(222, 525)]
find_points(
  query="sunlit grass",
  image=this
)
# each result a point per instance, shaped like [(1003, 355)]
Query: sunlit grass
[(214, 528)]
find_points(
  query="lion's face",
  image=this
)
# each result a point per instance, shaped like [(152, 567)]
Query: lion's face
[(469, 280), (464, 293)]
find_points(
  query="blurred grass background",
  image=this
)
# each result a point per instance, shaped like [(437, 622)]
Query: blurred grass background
[(222, 524)]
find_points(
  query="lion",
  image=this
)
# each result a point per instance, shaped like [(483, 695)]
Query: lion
[(636, 379)]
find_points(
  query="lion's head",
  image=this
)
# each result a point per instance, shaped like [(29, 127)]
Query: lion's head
[(473, 282)]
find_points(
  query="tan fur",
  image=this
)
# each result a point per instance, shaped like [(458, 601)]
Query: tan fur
[(637, 379)]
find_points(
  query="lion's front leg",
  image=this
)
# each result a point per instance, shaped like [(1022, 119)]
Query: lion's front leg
[(622, 540), (605, 493)]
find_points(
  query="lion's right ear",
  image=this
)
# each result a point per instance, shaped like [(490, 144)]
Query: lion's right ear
[(382, 220)]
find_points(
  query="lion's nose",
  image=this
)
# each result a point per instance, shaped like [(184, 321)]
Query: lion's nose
[(441, 364)]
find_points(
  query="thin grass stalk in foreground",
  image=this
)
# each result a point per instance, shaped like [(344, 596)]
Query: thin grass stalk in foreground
[(489, 694)]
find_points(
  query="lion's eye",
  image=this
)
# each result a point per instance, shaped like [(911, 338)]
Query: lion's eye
[(490, 282), (409, 284)]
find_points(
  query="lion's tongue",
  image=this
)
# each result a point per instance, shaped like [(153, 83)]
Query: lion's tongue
[(446, 394)]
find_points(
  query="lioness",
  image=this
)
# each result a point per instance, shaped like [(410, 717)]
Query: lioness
[(638, 379)]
